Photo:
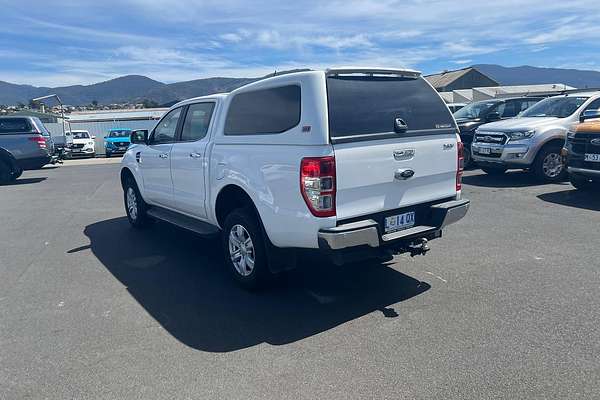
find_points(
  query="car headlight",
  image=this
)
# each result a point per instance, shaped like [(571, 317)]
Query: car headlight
[(520, 135)]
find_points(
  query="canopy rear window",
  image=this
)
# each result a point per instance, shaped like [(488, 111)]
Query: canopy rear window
[(367, 106)]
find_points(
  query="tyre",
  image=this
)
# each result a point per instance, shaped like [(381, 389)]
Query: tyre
[(468, 163), (6, 172), (494, 170), (548, 165), (582, 183), (244, 250), (135, 206)]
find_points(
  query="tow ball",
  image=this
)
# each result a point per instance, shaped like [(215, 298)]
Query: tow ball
[(419, 247)]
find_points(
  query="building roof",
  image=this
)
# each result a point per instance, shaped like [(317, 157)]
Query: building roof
[(117, 115), (486, 93), (445, 78)]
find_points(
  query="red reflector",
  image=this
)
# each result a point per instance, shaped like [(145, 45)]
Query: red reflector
[(460, 155)]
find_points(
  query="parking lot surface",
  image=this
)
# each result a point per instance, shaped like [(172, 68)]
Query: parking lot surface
[(506, 305)]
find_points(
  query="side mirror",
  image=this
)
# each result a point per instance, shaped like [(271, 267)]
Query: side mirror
[(493, 117), (589, 114), (139, 136), (93, 137)]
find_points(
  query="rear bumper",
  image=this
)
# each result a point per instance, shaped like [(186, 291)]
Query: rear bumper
[(34, 162), (585, 172), (367, 232)]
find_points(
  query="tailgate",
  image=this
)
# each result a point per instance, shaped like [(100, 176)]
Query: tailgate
[(394, 141)]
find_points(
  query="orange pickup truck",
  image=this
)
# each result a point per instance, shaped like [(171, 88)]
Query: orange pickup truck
[(582, 151)]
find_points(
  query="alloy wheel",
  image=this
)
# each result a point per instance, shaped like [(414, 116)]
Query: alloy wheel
[(241, 250), (552, 165), (132, 203)]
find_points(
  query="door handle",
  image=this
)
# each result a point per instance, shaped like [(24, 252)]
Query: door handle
[(163, 155), (195, 155)]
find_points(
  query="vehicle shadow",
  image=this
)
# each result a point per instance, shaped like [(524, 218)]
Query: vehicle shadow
[(180, 280), (573, 198), (510, 179), (24, 181)]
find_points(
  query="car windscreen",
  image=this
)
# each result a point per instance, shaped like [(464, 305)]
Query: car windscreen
[(474, 110), (81, 135), (15, 125), (364, 105), (560, 107), (119, 134)]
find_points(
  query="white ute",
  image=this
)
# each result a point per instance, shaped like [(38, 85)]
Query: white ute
[(353, 162)]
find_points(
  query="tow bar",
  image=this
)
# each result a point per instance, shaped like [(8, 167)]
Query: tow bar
[(418, 247)]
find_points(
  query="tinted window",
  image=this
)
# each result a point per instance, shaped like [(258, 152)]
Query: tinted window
[(81, 135), (265, 111), (120, 134), (166, 128), (14, 125), (560, 107), (511, 109), (594, 105), (475, 110), (363, 105), (196, 121)]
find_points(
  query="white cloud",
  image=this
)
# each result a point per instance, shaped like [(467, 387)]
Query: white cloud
[(188, 39)]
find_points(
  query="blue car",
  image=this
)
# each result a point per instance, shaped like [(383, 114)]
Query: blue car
[(117, 141)]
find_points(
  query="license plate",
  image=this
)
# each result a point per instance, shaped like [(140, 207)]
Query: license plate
[(485, 150), (592, 157), (399, 222), (76, 150)]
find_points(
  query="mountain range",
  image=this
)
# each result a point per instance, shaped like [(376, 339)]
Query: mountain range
[(136, 88)]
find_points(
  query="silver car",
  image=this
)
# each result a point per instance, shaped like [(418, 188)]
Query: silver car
[(532, 141), (25, 144)]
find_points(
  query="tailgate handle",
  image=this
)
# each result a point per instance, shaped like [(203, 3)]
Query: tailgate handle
[(404, 174)]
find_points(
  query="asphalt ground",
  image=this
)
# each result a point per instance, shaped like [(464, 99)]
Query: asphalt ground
[(505, 305)]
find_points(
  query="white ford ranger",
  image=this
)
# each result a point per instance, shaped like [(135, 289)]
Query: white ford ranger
[(354, 163)]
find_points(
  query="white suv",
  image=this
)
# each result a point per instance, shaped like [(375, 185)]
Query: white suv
[(354, 163), (83, 145)]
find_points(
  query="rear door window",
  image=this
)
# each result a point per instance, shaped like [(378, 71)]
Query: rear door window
[(14, 125), (264, 111), (366, 107)]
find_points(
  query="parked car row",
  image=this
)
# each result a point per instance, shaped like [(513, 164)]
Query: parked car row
[(529, 133)]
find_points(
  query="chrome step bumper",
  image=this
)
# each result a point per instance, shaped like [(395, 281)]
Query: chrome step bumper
[(366, 232)]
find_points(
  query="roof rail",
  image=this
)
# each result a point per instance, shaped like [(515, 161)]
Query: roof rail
[(407, 73)]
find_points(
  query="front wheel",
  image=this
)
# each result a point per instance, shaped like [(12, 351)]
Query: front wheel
[(549, 166), (468, 162), (135, 206), (244, 250), (582, 183)]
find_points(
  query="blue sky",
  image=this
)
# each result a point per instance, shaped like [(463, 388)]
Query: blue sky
[(77, 42)]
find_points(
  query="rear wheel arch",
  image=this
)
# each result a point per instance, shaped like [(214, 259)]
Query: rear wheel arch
[(232, 197)]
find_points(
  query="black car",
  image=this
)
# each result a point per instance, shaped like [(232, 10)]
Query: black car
[(472, 116), (582, 151)]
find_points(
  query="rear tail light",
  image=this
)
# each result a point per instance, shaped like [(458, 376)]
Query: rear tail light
[(318, 186), (460, 155), (39, 140)]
